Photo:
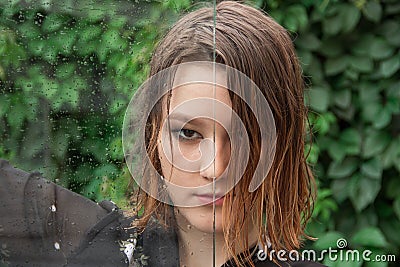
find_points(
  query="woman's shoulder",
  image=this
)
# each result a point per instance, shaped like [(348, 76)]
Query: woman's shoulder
[(160, 244), (44, 224)]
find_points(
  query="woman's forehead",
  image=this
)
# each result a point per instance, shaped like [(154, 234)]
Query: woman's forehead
[(199, 80), (199, 92), (206, 72)]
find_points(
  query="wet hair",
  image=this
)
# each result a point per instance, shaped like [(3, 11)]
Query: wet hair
[(250, 41)]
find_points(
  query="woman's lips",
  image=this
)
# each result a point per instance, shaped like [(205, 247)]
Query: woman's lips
[(209, 199)]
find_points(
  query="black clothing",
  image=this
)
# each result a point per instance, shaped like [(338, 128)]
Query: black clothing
[(43, 224)]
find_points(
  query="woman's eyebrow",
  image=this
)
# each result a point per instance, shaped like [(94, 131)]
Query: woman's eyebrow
[(187, 119)]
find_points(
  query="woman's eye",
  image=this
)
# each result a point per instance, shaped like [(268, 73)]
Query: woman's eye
[(189, 134)]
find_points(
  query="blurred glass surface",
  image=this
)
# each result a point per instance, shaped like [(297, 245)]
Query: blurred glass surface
[(68, 69)]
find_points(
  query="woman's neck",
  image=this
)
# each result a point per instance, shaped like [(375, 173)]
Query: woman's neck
[(196, 248)]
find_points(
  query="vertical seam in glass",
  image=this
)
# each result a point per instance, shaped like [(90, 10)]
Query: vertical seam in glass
[(214, 95)]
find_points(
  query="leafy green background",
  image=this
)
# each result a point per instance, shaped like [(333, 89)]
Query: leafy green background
[(69, 68)]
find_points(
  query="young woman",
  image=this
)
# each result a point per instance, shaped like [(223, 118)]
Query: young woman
[(215, 140), (245, 43)]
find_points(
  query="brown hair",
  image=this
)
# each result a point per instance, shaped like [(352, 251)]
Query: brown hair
[(253, 43)]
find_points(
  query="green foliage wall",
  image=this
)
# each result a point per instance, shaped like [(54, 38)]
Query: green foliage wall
[(350, 52), (67, 72)]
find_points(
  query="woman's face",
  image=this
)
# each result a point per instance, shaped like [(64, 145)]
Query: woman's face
[(194, 145)]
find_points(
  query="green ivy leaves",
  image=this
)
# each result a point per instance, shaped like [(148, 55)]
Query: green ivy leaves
[(350, 52), (67, 72)]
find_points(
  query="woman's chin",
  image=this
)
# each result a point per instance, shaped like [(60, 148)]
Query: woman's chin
[(201, 218)]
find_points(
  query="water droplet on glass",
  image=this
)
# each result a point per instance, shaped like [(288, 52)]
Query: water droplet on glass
[(53, 208), (57, 246)]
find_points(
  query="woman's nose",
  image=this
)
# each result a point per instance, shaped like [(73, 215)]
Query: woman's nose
[(217, 158)]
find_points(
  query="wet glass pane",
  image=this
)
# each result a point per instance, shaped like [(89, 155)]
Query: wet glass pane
[(68, 70)]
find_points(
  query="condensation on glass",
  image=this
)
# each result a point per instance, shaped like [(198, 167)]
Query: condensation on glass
[(68, 70)]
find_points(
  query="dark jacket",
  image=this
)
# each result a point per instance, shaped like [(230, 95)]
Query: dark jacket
[(43, 224)]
